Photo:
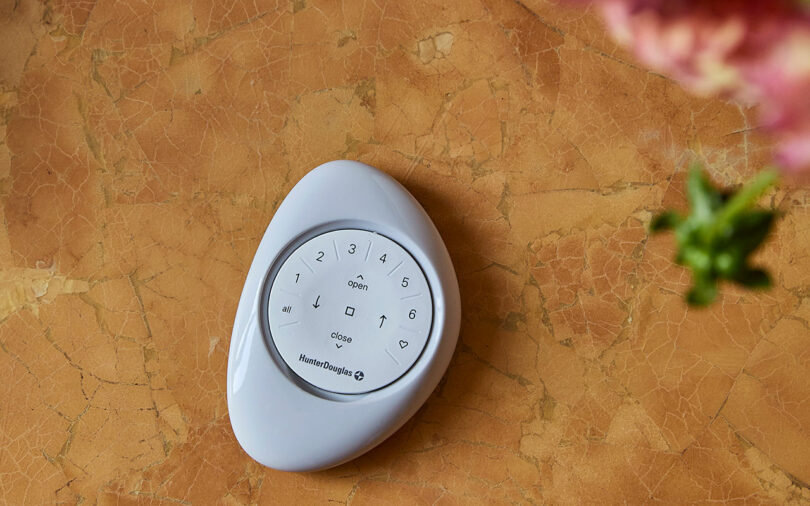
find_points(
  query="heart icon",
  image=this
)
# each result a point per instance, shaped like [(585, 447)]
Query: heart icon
[(403, 344)]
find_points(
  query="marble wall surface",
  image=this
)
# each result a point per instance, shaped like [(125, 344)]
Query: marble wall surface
[(144, 146)]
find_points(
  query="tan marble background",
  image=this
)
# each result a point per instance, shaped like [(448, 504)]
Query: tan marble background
[(144, 146)]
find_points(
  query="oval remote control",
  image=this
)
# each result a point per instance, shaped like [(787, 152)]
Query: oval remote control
[(348, 319)]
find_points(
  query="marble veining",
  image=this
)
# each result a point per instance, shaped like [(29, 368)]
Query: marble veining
[(144, 147)]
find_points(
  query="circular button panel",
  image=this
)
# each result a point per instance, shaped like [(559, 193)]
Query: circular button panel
[(350, 311)]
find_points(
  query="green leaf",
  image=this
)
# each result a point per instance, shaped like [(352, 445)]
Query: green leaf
[(749, 229), (754, 278), (746, 197), (729, 263), (697, 258), (703, 198), (667, 220), (703, 292)]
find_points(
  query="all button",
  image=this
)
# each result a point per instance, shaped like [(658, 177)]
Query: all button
[(286, 310)]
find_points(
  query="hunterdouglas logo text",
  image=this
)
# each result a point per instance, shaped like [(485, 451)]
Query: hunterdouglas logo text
[(325, 365)]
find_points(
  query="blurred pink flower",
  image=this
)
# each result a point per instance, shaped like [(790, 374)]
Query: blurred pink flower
[(755, 51)]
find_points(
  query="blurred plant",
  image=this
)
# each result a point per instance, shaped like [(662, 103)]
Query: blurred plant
[(754, 51), (721, 231)]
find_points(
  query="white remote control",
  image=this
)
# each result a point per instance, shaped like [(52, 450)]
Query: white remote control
[(348, 319)]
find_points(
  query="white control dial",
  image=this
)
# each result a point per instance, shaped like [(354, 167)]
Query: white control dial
[(350, 311)]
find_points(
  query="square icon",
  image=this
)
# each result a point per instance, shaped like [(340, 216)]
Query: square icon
[(349, 311)]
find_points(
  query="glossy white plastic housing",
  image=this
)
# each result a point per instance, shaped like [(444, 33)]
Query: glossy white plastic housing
[(278, 418)]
